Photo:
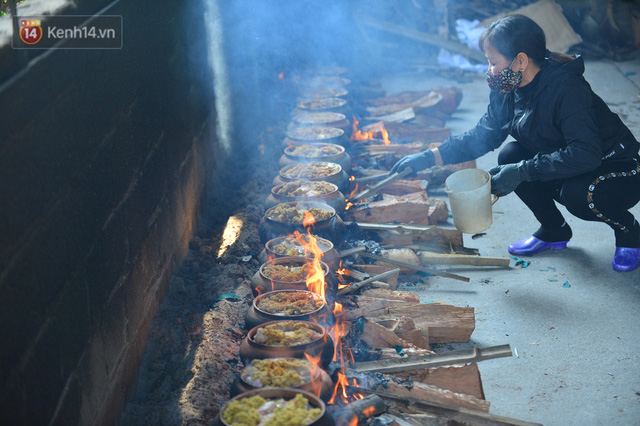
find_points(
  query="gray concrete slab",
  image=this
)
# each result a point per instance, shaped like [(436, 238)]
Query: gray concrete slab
[(578, 343)]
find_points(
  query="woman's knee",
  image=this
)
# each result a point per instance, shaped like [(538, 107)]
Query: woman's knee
[(513, 152)]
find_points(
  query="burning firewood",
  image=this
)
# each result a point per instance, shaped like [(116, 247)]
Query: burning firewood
[(359, 410)]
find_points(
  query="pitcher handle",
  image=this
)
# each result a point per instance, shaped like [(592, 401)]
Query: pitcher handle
[(495, 198)]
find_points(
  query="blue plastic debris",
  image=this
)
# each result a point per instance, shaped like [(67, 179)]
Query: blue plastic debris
[(551, 280), (566, 284), (398, 349), (227, 296), (520, 262)]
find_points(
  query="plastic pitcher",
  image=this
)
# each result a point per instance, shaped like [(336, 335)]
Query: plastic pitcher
[(470, 200)]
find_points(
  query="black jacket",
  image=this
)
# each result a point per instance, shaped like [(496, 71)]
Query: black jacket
[(558, 118)]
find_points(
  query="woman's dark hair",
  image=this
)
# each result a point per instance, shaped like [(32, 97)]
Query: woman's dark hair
[(513, 34)]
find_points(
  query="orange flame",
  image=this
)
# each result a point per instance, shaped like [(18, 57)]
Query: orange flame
[(359, 135), (316, 388), (315, 277), (352, 178), (309, 220)]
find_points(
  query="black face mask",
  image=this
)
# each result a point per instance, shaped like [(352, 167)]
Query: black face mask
[(505, 81)]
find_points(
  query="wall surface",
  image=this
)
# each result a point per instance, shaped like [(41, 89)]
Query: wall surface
[(104, 156)]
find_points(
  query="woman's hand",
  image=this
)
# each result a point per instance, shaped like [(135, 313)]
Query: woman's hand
[(505, 178), (417, 162)]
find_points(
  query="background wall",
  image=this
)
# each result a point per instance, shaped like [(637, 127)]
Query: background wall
[(104, 156)]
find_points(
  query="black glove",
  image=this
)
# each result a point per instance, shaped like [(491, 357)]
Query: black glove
[(417, 162), (506, 177)]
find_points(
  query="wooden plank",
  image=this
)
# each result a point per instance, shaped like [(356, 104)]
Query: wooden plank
[(461, 259), (436, 272), (360, 284), (406, 296), (404, 187)]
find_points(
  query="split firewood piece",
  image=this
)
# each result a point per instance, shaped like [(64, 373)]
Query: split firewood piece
[(393, 149), (446, 323), (416, 209), (404, 187), (429, 100), (388, 353), (406, 296), (431, 393), (436, 272), (374, 307), (461, 259), (407, 132), (395, 117), (406, 329), (378, 336), (460, 378)]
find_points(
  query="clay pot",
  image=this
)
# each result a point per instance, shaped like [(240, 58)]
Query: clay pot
[(315, 134), (261, 283), (328, 228), (323, 92), (256, 316), (319, 385), (335, 198), (321, 119), (322, 347), (324, 419), (325, 105), (330, 255), (340, 157), (338, 175)]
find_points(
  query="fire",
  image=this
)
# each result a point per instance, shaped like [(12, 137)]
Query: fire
[(352, 178), (315, 360), (359, 135), (342, 382), (315, 277)]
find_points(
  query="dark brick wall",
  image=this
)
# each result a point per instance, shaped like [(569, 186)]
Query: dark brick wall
[(104, 157)]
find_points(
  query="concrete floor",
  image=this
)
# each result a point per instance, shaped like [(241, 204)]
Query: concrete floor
[(577, 344)]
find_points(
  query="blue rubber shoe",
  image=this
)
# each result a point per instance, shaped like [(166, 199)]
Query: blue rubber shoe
[(626, 259), (533, 245)]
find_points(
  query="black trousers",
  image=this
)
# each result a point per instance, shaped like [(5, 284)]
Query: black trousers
[(603, 195)]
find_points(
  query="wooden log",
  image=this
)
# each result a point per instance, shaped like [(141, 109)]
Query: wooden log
[(423, 37), (436, 272), (446, 323), (393, 149), (360, 410), (398, 235), (404, 187), (378, 336), (374, 307), (407, 132), (413, 209), (396, 117), (406, 329), (429, 100), (406, 296), (461, 259), (462, 379)]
